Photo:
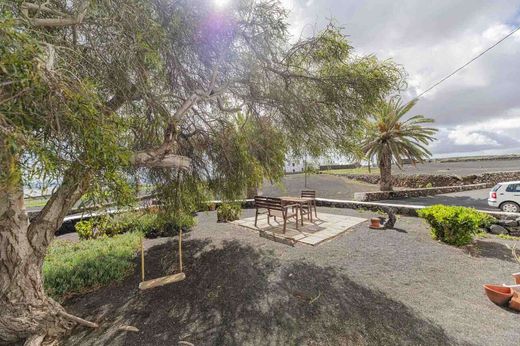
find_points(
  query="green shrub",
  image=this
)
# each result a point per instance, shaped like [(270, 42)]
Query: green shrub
[(151, 224), (169, 224), (75, 267), (429, 185), (228, 212), (97, 227), (454, 225)]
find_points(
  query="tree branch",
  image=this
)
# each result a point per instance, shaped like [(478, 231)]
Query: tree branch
[(78, 320), (42, 228), (160, 157), (119, 99), (54, 22)]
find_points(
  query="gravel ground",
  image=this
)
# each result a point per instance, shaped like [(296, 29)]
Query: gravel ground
[(326, 186), (365, 287)]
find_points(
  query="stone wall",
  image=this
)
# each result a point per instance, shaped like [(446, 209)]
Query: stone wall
[(400, 194), (349, 166), (437, 180)]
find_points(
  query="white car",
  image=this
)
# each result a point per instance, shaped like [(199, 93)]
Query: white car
[(506, 196)]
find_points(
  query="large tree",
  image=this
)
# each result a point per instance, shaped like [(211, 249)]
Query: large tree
[(94, 91), (389, 138)]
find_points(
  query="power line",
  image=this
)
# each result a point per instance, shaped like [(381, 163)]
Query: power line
[(469, 62)]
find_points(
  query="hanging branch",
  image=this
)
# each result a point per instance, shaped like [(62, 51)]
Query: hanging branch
[(66, 20)]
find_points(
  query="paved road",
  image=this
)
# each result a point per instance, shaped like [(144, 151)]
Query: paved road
[(474, 198), (326, 186)]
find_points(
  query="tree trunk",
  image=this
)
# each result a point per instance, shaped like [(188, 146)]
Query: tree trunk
[(253, 191), (385, 168), (26, 311)]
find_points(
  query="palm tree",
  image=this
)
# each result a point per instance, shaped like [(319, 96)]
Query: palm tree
[(389, 139)]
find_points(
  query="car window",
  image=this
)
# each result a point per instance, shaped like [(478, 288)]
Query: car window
[(496, 188), (513, 188)]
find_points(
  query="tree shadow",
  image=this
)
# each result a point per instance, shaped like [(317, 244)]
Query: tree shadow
[(491, 249), (400, 230), (235, 294)]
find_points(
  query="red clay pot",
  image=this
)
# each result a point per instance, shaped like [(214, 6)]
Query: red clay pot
[(375, 223), (499, 295), (514, 303), (517, 278)]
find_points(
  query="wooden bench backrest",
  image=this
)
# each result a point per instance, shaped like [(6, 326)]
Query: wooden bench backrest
[(268, 203), (308, 194)]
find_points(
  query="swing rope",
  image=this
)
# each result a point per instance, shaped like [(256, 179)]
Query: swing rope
[(143, 285)]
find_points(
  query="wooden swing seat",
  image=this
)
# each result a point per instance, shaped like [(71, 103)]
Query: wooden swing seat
[(144, 285)]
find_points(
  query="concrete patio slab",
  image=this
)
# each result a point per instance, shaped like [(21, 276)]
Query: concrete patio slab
[(326, 227)]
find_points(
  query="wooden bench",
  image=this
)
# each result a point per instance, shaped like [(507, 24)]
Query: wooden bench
[(276, 208)]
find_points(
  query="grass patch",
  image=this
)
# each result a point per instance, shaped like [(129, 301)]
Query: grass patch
[(76, 267), (508, 237), (359, 170), (482, 234), (35, 202)]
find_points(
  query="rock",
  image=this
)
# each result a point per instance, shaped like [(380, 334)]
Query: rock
[(515, 232), (497, 229), (391, 218), (510, 223)]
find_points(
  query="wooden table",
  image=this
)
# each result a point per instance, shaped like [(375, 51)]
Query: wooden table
[(300, 201)]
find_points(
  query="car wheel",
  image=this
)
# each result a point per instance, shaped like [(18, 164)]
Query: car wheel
[(510, 207)]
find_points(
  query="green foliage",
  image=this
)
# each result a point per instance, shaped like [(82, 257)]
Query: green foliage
[(229, 212), (245, 153), (53, 118), (454, 225), (429, 185), (93, 97), (388, 134), (76, 267), (168, 225), (153, 224), (98, 227), (508, 237), (388, 138)]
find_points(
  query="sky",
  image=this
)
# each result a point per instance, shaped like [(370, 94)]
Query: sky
[(477, 111)]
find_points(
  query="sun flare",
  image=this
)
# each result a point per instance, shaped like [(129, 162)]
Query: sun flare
[(221, 3)]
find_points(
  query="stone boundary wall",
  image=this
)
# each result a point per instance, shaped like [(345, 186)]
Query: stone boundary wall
[(406, 210), (402, 209), (437, 180), (407, 193), (348, 166)]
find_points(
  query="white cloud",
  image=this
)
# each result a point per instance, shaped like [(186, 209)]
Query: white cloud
[(478, 109), (462, 137)]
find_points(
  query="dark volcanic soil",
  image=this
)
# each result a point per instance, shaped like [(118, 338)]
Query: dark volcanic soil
[(365, 287)]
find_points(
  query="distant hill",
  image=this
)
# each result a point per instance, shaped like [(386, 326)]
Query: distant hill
[(477, 158)]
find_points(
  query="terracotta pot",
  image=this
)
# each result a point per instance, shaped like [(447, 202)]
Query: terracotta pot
[(375, 223), (514, 288), (517, 278), (498, 294), (514, 303)]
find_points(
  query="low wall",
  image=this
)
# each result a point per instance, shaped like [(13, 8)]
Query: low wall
[(348, 166), (407, 193), (407, 210), (437, 180)]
